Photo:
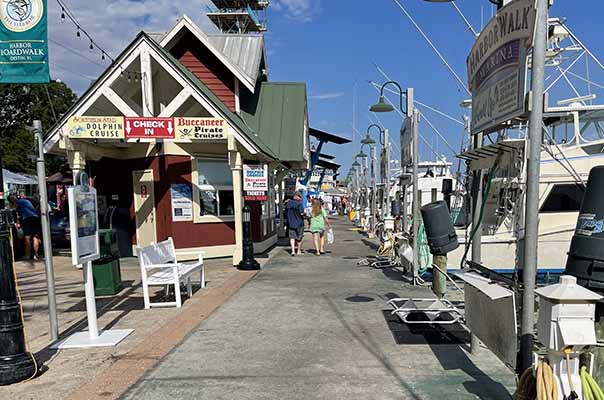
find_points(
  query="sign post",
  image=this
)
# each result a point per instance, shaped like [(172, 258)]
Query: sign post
[(84, 228)]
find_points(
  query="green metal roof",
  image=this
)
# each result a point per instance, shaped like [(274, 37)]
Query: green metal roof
[(277, 112)]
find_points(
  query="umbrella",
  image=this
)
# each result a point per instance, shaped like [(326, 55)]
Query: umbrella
[(13, 178)]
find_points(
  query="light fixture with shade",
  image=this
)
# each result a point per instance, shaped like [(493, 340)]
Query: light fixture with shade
[(355, 164), (381, 106), (361, 155)]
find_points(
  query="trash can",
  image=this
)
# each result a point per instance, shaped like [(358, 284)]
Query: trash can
[(106, 270)]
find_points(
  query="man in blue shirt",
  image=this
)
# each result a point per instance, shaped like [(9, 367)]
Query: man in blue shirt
[(30, 223), (295, 220)]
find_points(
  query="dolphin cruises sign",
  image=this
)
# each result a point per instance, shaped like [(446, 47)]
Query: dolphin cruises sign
[(497, 66)]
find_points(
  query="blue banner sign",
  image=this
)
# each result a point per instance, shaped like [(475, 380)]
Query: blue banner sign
[(23, 41)]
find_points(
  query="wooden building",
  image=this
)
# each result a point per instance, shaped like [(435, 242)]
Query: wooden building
[(168, 130)]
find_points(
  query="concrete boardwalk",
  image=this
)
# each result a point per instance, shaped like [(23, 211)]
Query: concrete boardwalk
[(313, 328)]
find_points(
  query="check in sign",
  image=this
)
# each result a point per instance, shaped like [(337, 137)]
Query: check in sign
[(149, 128)]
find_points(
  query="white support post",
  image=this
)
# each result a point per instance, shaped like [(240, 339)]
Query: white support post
[(93, 329), (147, 83), (236, 164)]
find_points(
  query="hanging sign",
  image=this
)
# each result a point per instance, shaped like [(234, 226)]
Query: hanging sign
[(83, 221), (497, 66), (255, 182), (96, 127), (200, 128), (182, 202), (149, 128), (255, 178), (23, 42)]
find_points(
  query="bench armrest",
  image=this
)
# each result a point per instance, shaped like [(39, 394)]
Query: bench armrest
[(161, 266)]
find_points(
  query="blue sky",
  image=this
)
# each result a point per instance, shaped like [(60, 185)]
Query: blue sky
[(331, 45)]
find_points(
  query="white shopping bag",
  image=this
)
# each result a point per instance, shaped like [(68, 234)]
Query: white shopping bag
[(330, 237)]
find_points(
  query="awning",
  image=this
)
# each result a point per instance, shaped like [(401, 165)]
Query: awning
[(13, 178), (328, 165), (327, 137)]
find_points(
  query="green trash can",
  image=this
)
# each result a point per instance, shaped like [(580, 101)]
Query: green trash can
[(107, 276), (106, 270)]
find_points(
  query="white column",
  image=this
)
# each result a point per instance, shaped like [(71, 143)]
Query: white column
[(147, 84), (236, 165)]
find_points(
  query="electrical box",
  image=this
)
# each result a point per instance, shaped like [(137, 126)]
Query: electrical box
[(566, 315)]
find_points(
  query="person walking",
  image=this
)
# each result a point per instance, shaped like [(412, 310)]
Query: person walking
[(30, 223), (295, 221), (318, 222)]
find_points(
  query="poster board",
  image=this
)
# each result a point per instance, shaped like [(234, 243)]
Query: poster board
[(255, 182), (84, 224), (182, 202)]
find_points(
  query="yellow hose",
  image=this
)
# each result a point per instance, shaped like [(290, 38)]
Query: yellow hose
[(541, 387), (591, 389)]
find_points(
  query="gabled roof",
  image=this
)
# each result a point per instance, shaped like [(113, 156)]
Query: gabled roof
[(245, 51), (185, 23), (278, 113), (195, 83)]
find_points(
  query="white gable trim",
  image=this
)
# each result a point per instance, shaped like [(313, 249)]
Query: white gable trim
[(103, 87), (185, 21)]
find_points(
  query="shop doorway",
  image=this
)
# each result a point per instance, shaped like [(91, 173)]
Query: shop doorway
[(144, 207)]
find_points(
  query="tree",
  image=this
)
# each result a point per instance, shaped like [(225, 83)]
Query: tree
[(19, 106)]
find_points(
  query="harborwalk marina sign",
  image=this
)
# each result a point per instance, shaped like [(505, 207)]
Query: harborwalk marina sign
[(23, 41), (497, 66)]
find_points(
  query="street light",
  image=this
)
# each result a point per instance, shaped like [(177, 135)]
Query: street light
[(382, 106), (355, 164), (361, 154)]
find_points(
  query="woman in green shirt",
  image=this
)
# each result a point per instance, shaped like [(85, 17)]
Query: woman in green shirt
[(318, 221)]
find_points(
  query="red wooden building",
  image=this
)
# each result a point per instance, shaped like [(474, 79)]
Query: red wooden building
[(168, 129)]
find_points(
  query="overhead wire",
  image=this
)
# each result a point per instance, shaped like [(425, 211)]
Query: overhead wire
[(438, 53)]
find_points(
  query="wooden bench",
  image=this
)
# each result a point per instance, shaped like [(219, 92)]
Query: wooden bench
[(159, 267)]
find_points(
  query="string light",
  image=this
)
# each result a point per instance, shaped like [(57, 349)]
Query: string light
[(66, 13)]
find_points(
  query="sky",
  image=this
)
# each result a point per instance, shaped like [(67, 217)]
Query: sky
[(335, 47)]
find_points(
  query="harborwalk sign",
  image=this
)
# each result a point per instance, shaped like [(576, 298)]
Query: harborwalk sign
[(497, 66), (23, 42)]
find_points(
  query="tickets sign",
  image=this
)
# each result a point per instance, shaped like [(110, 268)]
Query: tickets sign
[(180, 129), (200, 128), (96, 127), (255, 178)]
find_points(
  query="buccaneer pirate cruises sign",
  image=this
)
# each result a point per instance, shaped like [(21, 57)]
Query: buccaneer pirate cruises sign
[(497, 66)]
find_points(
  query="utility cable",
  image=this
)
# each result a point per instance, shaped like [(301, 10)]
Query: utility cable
[(438, 53)]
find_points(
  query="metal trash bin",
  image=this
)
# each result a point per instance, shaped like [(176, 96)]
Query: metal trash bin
[(106, 270)]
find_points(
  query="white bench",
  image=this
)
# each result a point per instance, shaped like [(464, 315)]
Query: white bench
[(159, 267)]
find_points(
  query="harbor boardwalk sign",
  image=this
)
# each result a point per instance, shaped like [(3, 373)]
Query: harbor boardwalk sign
[(497, 66), (23, 42), (178, 129)]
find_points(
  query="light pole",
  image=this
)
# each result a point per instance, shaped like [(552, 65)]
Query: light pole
[(356, 186), (413, 114), (368, 140)]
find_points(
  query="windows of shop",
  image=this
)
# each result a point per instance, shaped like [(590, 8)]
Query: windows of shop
[(214, 191)]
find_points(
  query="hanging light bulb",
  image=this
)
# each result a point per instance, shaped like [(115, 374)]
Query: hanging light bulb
[(135, 77), (103, 56), (129, 76), (78, 34), (91, 46), (62, 14)]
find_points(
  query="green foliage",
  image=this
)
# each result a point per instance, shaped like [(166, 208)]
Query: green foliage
[(19, 106)]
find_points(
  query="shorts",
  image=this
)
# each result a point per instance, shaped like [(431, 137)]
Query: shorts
[(31, 226), (319, 231), (296, 233)]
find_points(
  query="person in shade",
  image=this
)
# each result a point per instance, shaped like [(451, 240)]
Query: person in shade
[(295, 220), (318, 224), (30, 223)]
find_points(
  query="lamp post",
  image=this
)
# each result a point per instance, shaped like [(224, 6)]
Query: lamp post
[(369, 141), (413, 114), (356, 195), (248, 263)]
